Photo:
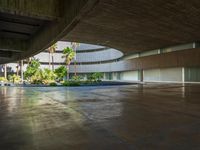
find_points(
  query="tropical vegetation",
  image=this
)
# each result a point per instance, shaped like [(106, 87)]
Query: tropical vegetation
[(51, 51), (60, 73), (34, 74), (68, 55)]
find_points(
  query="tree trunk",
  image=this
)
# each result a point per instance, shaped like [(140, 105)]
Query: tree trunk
[(52, 57), (75, 72), (67, 72), (21, 68), (18, 69), (5, 71), (49, 60)]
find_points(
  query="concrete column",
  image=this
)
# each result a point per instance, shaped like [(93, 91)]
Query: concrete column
[(183, 74), (141, 75), (194, 45), (159, 51)]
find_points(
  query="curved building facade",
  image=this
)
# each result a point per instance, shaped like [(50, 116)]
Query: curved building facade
[(93, 58), (171, 64)]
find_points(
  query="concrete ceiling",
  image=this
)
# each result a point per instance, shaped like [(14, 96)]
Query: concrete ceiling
[(14, 26), (139, 25), (28, 27)]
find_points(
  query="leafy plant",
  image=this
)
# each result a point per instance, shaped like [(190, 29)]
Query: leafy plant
[(14, 78), (32, 69), (68, 54), (71, 83), (95, 77), (52, 84), (47, 76), (98, 76), (76, 78), (60, 72), (3, 79), (37, 77)]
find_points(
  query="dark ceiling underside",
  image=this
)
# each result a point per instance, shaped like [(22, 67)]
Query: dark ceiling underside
[(138, 25), (29, 26), (18, 27)]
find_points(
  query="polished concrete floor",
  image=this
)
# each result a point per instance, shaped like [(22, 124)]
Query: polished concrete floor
[(143, 117)]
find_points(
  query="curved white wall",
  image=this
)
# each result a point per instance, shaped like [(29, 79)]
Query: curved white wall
[(106, 54), (97, 56)]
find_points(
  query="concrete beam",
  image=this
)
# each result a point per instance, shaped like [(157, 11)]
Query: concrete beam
[(12, 45), (72, 13), (5, 54), (40, 9)]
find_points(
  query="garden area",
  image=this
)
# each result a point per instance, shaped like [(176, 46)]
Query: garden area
[(60, 76), (36, 75)]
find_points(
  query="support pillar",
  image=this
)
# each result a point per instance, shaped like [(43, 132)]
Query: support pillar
[(183, 75), (141, 75)]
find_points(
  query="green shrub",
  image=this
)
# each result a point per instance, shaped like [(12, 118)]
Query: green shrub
[(60, 72), (35, 75), (32, 69), (95, 77), (74, 83), (71, 83), (37, 81), (2, 79), (76, 78), (14, 78), (52, 84), (66, 83)]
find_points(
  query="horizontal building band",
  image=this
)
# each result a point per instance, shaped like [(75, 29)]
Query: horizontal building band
[(187, 58), (83, 51), (96, 56)]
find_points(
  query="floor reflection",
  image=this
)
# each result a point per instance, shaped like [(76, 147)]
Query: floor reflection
[(153, 116)]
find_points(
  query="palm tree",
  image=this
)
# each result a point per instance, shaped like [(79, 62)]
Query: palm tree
[(28, 60), (21, 69), (5, 71), (68, 54), (74, 46), (52, 50), (17, 67)]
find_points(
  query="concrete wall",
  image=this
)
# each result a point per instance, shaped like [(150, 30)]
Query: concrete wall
[(85, 47), (97, 56), (163, 75), (192, 74), (129, 76), (107, 54)]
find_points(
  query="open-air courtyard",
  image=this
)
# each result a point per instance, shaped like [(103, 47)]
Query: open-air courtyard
[(149, 116)]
